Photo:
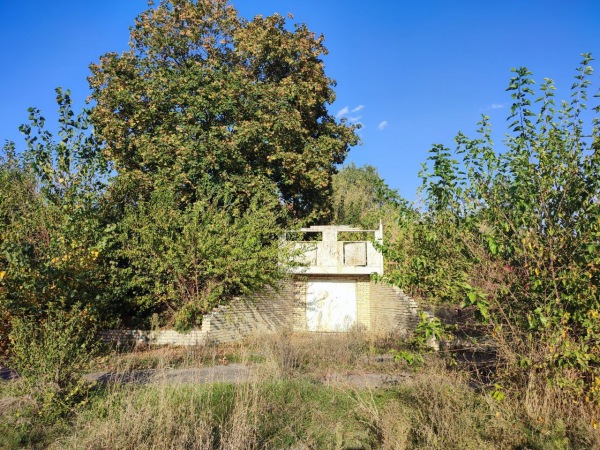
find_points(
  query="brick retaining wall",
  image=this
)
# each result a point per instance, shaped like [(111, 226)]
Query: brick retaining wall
[(380, 308)]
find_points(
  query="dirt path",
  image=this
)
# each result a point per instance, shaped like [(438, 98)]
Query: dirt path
[(232, 373), (240, 373)]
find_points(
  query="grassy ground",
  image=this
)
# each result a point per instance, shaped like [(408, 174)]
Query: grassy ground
[(291, 402)]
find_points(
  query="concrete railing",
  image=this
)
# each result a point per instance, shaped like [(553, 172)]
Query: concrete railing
[(330, 256)]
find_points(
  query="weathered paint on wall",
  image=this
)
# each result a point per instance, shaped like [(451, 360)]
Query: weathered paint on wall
[(331, 305)]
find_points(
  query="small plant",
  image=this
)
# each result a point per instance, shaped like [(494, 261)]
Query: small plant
[(428, 330), (498, 392), (188, 317), (51, 357), (411, 358)]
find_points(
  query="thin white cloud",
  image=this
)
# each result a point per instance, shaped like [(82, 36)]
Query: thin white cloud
[(354, 119), (358, 108), (382, 125), (342, 112), (497, 105)]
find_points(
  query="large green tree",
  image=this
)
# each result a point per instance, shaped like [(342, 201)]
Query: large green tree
[(362, 198), (205, 96)]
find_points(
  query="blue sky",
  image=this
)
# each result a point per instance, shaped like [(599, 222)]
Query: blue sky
[(413, 73)]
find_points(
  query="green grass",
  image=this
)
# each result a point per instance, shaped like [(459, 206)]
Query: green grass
[(287, 405), (270, 414)]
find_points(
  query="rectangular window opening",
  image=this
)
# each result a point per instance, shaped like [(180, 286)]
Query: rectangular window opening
[(356, 236), (304, 236)]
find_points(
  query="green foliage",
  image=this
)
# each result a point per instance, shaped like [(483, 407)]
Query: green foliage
[(51, 356), (52, 235), (412, 358), (515, 232), (204, 96), (428, 328), (217, 135), (188, 317), (426, 336), (427, 256), (185, 260), (219, 132), (361, 198)]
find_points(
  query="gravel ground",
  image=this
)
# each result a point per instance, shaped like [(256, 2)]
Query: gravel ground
[(240, 373), (231, 373)]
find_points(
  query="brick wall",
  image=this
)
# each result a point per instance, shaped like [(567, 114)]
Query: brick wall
[(268, 311), (392, 310), (363, 300), (380, 308), (159, 337), (271, 310), (299, 310)]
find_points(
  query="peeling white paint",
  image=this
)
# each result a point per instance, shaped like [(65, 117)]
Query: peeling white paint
[(330, 305)]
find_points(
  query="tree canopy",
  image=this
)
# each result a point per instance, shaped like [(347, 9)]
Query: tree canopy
[(219, 137), (362, 198), (205, 96)]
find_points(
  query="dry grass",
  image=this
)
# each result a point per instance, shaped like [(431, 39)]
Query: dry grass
[(280, 406), (142, 356), (287, 405), (315, 353), (257, 414)]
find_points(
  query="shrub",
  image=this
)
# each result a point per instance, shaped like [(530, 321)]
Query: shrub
[(514, 233), (51, 357)]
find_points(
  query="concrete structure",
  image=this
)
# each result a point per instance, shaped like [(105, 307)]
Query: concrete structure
[(339, 262), (324, 253), (331, 291)]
